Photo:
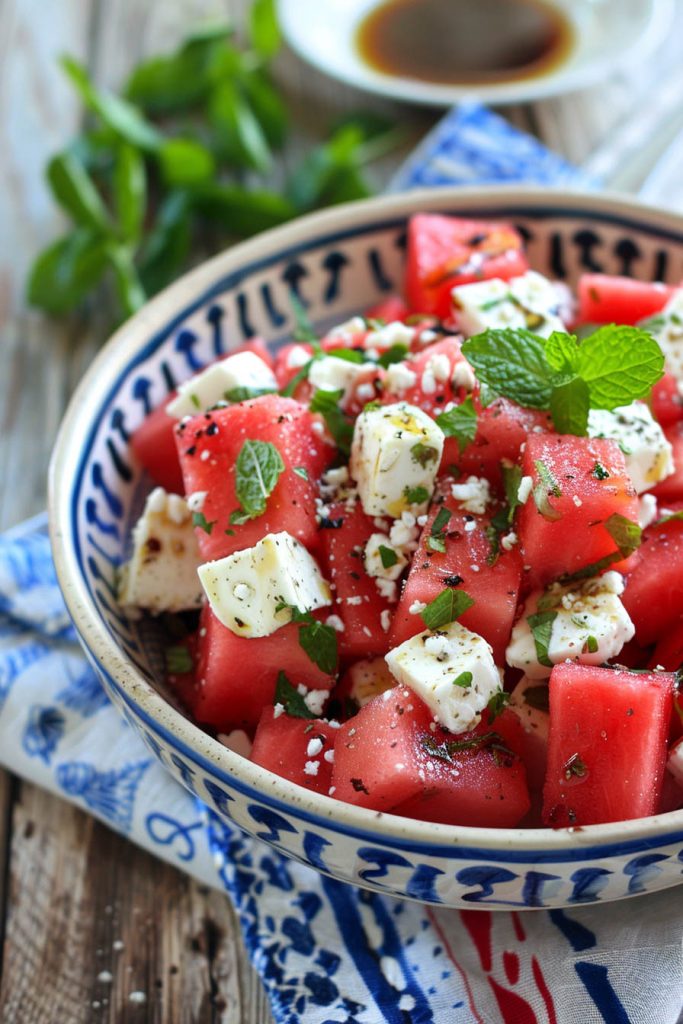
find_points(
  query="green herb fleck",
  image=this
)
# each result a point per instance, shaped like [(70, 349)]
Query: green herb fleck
[(497, 704), (388, 556), (178, 660), (301, 471), (416, 495), (423, 453), (446, 608), (464, 680), (574, 767), (291, 700), (541, 626), (395, 354), (437, 540), (542, 491), (315, 638), (199, 520), (243, 394), (599, 472)]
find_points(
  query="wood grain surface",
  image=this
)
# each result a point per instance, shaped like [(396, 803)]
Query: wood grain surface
[(91, 928)]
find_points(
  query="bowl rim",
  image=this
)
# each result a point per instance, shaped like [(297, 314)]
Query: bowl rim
[(146, 702)]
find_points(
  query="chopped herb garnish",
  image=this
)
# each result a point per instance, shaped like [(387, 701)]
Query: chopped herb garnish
[(245, 394), (546, 487), (599, 472), (395, 354), (195, 401), (460, 423), (257, 471), (436, 540), (538, 697), (178, 660), (200, 520), (591, 645), (416, 495), (291, 700), (448, 750), (446, 608), (497, 704), (301, 471), (315, 638), (464, 680), (338, 424), (229, 533), (574, 767), (541, 626), (423, 453), (288, 390), (372, 406), (388, 556)]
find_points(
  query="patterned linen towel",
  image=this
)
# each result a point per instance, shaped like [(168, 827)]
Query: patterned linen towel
[(328, 953)]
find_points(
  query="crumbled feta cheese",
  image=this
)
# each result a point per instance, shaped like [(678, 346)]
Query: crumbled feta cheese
[(378, 550), (470, 526), (365, 392), (246, 588), (278, 709), (385, 620), (529, 301), (297, 357), (431, 663), (526, 485), (417, 607), (647, 510), (509, 540), (369, 678), (195, 501), (347, 330), (314, 747), (463, 376), (440, 367), (211, 385), (667, 330), (395, 449), (400, 377), (237, 741), (329, 756), (474, 494), (388, 590), (403, 536), (311, 767), (590, 626), (161, 574), (384, 338), (334, 622), (315, 701), (648, 454), (333, 374)]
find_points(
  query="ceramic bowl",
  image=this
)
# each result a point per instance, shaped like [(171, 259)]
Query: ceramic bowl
[(339, 262)]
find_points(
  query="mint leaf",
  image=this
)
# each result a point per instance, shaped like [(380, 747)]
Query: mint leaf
[(257, 471), (599, 472), (464, 680), (561, 352), (290, 698), (316, 639), (338, 424), (446, 608), (178, 660), (199, 520), (538, 697), (541, 626), (449, 749), (388, 556), (625, 533), (301, 471), (395, 354), (497, 704), (423, 454), (416, 495), (619, 365), (460, 423), (569, 404), (513, 363), (512, 478), (436, 540), (243, 394)]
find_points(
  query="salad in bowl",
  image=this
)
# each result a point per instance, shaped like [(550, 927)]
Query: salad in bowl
[(409, 578)]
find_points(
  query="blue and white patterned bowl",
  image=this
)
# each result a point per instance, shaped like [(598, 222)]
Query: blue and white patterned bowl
[(338, 262)]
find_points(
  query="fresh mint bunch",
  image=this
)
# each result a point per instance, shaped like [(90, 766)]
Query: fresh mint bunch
[(180, 160), (611, 367)]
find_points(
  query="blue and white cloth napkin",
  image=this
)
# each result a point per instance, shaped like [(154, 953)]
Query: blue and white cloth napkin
[(327, 953)]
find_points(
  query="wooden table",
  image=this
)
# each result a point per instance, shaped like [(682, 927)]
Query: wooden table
[(77, 900)]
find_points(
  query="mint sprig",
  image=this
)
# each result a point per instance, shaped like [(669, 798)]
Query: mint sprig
[(613, 366), (257, 471)]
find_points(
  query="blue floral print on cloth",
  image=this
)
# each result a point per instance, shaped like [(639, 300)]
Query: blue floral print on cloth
[(327, 953)]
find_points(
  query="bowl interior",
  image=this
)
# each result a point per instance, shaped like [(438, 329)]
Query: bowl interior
[(337, 263)]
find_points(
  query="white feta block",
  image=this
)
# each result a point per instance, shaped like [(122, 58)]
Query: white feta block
[(648, 454), (209, 386), (369, 678), (333, 374), (246, 588), (395, 450), (590, 625), (667, 330), (383, 560), (452, 670), (530, 301), (161, 575)]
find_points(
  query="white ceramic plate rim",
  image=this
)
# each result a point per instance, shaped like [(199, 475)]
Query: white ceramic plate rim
[(565, 78), (110, 361)]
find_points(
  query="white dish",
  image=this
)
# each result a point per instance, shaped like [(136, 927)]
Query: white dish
[(610, 35)]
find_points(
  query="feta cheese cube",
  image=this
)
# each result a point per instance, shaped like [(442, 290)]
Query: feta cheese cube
[(667, 330), (395, 450), (378, 551), (368, 678), (590, 625), (332, 374), (211, 385), (648, 454), (530, 301), (161, 575), (246, 588), (452, 670)]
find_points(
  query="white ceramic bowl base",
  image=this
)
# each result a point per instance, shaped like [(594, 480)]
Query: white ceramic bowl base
[(339, 262)]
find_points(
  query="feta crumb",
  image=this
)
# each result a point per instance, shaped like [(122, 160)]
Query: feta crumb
[(470, 526), (195, 501), (311, 767), (314, 747), (329, 756), (463, 376), (385, 620), (474, 494), (315, 701), (400, 377), (417, 607), (647, 510), (509, 540), (297, 357), (526, 485), (387, 589), (335, 623), (278, 710)]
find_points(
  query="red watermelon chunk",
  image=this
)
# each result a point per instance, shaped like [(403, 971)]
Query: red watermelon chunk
[(464, 564), (153, 442), (610, 299), (221, 433), (667, 403), (654, 588), (236, 676), (444, 252), (671, 488), (433, 369), (357, 600), (607, 744), (569, 532), (295, 749), (502, 429)]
